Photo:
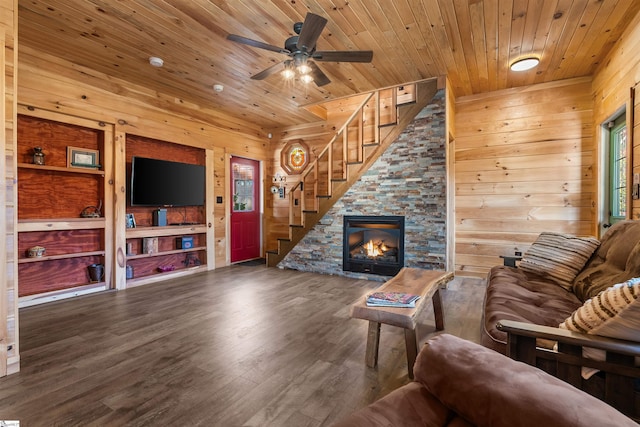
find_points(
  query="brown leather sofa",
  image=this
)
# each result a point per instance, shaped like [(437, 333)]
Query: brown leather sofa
[(459, 383), (513, 294), (538, 306)]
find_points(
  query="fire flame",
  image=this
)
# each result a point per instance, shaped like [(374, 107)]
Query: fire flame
[(374, 250)]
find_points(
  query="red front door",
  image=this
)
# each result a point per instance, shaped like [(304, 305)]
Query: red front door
[(245, 209)]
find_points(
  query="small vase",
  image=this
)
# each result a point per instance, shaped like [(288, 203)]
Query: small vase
[(38, 156)]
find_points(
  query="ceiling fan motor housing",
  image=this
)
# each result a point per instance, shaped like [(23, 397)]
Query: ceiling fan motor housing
[(292, 44)]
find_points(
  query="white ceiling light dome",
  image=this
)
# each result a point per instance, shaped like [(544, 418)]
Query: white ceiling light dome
[(156, 62), (524, 64)]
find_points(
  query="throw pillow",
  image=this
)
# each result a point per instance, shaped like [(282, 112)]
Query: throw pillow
[(614, 312), (558, 257)]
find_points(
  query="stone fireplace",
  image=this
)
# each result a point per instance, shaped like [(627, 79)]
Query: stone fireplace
[(408, 180), (373, 244)]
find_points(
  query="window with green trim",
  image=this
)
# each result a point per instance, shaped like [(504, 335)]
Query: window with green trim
[(618, 171)]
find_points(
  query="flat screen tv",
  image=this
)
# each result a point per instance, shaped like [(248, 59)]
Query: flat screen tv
[(166, 183)]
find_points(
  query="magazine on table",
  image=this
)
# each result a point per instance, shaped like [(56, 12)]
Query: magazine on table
[(392, 299)]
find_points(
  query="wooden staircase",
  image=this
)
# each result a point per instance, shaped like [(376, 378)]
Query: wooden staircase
[(367, 133)]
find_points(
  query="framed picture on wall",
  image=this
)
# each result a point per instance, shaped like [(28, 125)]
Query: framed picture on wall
[(82, 158), (131, 221)]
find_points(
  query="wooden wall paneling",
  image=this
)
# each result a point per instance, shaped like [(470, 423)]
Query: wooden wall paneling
[(119, 138), (539, 181), (107, 148), (226, 250), (210, 213), (62, 75), (634, 132), (9, 316), (7, 154), (616, 74), (56, 85), (450, 141), (220, 209)]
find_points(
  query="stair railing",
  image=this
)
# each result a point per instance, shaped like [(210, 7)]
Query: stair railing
[(311, 175)]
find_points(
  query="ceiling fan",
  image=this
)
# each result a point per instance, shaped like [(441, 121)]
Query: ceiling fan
[(301, 50)]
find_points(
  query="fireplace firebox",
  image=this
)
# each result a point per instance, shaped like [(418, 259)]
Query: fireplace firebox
[(373, 244)]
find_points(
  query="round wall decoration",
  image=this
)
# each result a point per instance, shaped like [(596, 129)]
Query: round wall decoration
[(294, 157)]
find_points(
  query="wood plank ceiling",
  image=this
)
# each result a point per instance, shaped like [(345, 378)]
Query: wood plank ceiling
[(472, 41)]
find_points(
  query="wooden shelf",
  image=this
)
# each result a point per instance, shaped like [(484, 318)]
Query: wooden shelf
[(82, 289), (169, 230), (61, 169), (60, 224), (175, 251), (62, 256), (143, 280)]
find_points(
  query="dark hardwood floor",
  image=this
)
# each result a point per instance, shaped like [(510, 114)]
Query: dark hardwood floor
[(238, 346)]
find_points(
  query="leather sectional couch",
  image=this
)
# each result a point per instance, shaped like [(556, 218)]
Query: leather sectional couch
[(460, 383), (524, 296), (564, 319)]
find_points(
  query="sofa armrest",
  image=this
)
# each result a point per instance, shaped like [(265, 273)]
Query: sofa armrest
[(514, 328), (617, 367)]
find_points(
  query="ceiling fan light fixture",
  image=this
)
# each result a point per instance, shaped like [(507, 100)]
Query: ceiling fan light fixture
[(304, 69), (306, 78), (288, 72), (524, 64)]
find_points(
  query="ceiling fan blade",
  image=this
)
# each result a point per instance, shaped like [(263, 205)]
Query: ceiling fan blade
[(255, 43), (311, 29), (344, 55), (269, 71), (319, 78)]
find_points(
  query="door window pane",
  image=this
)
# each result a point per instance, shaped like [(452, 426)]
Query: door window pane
[(243, 177)]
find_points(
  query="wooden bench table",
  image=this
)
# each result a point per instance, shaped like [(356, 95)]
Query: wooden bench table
[(425, 283)]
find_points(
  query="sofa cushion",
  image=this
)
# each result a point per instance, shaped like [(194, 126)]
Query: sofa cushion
[(411, 405), (513, 294), (616, 260), (559, 257), (614, 312), (488, 389)]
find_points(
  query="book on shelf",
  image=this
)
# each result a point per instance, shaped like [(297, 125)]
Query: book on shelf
[(392, 299)]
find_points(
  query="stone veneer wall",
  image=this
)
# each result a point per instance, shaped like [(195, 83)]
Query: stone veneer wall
[(409, 179)]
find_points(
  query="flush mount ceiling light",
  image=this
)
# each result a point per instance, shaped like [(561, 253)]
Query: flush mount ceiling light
[(155, 61), (524, 64)]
